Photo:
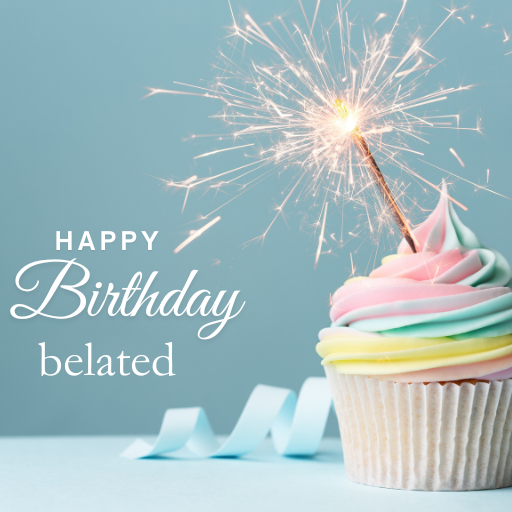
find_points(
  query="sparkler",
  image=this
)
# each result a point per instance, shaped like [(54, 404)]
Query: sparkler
[(376, 173), (287, 117)]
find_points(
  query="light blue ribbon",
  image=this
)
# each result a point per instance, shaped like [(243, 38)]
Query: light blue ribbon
[(296, 425)]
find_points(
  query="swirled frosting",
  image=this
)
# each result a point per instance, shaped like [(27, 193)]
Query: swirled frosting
[(443, 313)]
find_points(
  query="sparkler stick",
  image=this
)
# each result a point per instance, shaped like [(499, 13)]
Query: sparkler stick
[(376, 174)]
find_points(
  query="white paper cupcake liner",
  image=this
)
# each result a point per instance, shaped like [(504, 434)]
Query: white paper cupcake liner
[(424, 437)]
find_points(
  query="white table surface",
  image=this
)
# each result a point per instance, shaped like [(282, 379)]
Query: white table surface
[(74, 474)]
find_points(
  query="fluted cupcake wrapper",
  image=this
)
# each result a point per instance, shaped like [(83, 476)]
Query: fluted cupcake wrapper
[(419, 436)]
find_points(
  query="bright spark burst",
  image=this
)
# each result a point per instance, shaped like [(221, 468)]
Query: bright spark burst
[(284, 110)]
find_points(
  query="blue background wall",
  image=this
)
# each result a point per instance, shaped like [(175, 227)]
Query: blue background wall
[(79, 148)]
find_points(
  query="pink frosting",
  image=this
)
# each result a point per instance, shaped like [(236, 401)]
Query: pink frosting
[(405, 296), (451, 271), (446, 267)]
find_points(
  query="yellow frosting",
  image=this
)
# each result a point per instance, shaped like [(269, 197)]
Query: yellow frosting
[(391, 257), (385, 260), (384, 356), (355, 279)]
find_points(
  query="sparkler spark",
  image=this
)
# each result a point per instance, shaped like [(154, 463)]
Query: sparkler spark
[(321, 239), (221, 151), (459, 159), (284, 110), (196, 234)]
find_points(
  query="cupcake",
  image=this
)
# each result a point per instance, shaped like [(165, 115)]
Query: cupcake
[(419, 361)]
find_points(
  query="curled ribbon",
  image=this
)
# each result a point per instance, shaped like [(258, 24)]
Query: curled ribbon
[(296, 425)]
